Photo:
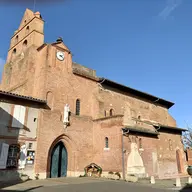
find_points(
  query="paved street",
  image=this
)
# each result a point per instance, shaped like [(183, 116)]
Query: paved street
[(83, 185)]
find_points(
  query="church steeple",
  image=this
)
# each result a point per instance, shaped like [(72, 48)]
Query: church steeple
[(30, 32)]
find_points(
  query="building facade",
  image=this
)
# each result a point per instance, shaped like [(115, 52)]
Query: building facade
[(90, 119), (18, 132)]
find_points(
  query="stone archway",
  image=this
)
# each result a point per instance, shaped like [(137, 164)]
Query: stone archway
[(59, 161), (61, 151)]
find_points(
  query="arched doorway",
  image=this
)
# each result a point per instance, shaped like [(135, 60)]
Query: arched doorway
[(58, 167)]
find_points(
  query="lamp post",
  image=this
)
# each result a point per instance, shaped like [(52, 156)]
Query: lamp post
[(123, 159)]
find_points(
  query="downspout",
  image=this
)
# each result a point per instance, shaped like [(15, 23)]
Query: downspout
[(123, 160)]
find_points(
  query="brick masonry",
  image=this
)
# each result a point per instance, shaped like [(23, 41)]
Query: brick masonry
[(35, 71)]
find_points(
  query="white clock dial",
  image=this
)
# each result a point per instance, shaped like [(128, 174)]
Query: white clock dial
[(60, 55)]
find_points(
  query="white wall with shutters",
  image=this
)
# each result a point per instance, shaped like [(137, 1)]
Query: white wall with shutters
[(18, 116), (3, 155)]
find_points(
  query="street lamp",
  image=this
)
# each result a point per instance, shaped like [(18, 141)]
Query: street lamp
[(123, 131)]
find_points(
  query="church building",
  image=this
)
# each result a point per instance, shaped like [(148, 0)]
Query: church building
[(88, 119)]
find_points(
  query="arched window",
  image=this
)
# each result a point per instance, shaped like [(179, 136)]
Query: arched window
[(27, 29), (140, 143), (24, 45), (77, 112), (14, 51), (138, 120), (16, 39), (13, 156), (106, 142), (111, 112)]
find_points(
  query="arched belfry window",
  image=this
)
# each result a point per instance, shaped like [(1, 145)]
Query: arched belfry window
[(106, 142), (27, 29), (14, 51), (25, 44), (111, 112), (77, 112), (16, 39)]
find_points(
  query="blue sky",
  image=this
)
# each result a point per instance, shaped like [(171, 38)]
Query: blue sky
[(144, 44)]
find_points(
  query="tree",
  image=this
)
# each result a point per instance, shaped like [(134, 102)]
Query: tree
[(187, 137)]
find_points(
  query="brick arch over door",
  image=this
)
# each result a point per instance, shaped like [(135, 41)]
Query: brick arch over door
[(66, 140)]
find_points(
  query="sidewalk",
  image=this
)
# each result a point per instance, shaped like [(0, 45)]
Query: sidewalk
[(32, 184), (165, 183), (168, 184)]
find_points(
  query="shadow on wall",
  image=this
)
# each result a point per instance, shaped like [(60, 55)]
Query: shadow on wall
[(13, 151)]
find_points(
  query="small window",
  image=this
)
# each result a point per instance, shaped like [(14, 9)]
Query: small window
[(77, 107), (138, 120), (105, 113), (111, 112), (106, 142), (30, 145), (13, 156), (14, 51), (25, 43), (27, 29), (140, 143), (16, 39)]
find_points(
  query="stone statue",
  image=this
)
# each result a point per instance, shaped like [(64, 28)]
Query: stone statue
[(66, 114), (23, 155)]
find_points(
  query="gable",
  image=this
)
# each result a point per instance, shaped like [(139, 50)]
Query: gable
[(61, 45), (28, 16)]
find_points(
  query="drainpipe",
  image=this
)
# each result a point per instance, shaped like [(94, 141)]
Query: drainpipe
[(123, 159)]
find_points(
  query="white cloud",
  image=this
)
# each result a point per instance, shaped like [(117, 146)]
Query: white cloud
[(171, 5)]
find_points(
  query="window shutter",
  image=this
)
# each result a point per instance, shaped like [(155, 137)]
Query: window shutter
[(3, 156), (22, 116), (15, 122), (18, 116)]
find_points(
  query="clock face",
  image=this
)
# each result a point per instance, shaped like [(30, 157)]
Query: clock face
[(60, 55)]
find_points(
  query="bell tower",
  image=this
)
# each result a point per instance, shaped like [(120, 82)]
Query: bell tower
[(30, 32), (18, 73)]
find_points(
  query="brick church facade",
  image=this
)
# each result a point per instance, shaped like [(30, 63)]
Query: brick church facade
[(103, 113)]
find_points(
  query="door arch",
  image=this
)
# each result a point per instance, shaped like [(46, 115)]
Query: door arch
[(59, 161)]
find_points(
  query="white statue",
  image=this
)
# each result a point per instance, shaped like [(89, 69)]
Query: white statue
[(23, 155), (66, 114)]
